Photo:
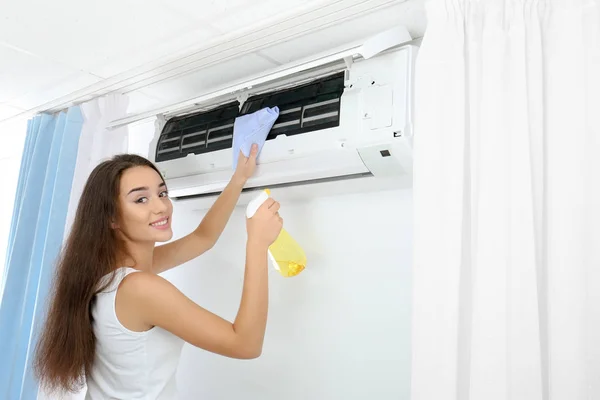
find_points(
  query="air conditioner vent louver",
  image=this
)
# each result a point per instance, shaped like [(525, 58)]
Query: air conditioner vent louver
[(306, 108), (197, 133)]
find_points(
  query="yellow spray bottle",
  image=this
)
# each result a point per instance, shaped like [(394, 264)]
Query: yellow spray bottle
[(285, 253)]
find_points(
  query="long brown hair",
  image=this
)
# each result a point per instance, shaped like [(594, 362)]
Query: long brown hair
[(66, 346)]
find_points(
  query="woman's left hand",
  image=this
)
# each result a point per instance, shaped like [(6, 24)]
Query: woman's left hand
[(246, 165)]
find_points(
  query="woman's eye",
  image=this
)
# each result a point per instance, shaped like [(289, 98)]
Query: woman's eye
[(164, 194), (141, 200)]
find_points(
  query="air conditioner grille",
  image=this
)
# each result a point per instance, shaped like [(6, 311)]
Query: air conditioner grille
[(312, 106), (306, 108), (197, 133)]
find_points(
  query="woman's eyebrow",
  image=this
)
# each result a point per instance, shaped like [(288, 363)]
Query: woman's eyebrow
[(142, 188), (138, 189)]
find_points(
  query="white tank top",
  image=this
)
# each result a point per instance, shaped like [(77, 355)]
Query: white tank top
[(130, 365)]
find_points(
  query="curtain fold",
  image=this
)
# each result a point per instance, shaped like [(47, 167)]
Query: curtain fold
[(35, 239), (507, 190)]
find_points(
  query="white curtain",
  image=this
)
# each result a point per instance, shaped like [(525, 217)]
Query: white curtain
[(97, 143), (507, 201)]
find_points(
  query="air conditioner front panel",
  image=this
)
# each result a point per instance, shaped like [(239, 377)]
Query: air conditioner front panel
[(316, 166), (274, 151)]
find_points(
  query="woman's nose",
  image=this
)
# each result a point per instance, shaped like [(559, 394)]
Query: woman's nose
[(158, 205)]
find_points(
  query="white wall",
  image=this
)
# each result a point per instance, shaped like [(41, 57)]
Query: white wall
[(340, 330)]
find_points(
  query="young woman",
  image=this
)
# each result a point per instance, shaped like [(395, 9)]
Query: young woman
[(116, 325)]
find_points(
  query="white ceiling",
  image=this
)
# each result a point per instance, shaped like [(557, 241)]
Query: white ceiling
[(51, 49)]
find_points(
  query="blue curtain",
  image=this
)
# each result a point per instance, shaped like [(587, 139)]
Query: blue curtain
[(36, 235)]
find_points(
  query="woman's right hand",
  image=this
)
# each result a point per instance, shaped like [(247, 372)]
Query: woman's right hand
[(264, 227)]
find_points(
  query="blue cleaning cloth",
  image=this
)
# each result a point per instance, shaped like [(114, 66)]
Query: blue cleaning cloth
[(252, 128)]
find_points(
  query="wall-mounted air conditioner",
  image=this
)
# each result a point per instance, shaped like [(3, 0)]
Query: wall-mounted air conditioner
[(349, 121)]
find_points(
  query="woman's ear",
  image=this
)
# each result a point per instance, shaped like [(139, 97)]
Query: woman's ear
[(114, 225)]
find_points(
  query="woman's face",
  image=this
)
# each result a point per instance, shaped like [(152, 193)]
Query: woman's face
[(145, 208)]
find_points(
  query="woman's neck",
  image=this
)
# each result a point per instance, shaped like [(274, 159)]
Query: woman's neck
[(139, 256)]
